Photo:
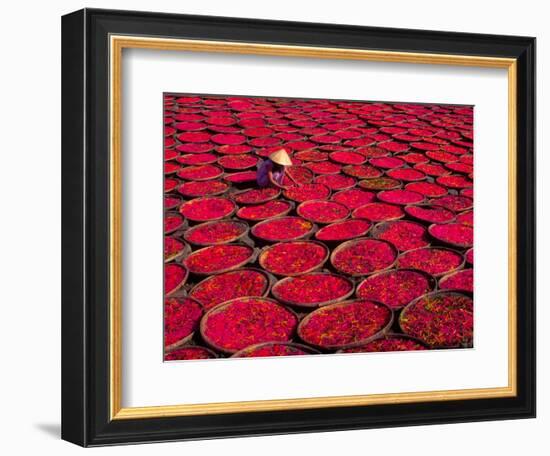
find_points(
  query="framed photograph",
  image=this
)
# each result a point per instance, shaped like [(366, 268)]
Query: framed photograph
[(269, 227)]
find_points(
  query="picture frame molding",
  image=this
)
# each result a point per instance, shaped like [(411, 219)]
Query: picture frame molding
[(93, 42)]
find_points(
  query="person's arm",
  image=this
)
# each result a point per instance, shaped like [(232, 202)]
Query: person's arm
[(274, 181), (291, 178)]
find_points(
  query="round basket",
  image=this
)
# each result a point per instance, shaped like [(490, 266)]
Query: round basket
[(265, 211), (406, 174), (406, 234), (238, 162), (211, 253), (181, 273), (242, 230), (301, 282), (422, 329), (376, 287), (430, 213), (172, 202), (255, 195), (420, 259), (461, 281), (316, 211), (307, 192), (171, 167), (197, 159), (242, 177), (170, 184), (202, 203), (347, 157), (380, 183), (298, 253), (201, 172), (400, 197), (171, 255), (260, 321), (354, 198), (458, 235), (307, 228), (336, 232), (202, 189), (338, 315), (378, 212), (209, 301), (456, 203), (367, 172), (171, 227), (336, 182), (367, 244)]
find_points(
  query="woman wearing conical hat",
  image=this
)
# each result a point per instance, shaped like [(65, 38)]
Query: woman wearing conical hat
[(272, 170)]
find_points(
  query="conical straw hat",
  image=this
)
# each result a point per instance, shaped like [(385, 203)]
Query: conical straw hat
[(281, 158)]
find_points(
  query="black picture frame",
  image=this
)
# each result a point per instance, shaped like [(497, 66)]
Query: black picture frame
[(85, 225)]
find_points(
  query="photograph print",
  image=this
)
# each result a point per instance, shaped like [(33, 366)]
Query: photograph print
[(316, 226)]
